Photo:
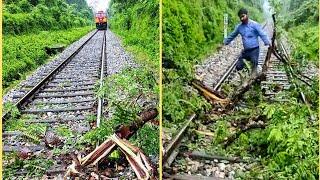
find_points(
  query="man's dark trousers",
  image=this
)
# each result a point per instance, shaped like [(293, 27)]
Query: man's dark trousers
[(249, 54)]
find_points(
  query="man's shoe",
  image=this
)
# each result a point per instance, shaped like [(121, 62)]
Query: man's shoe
[(254, 73), (241, 75)]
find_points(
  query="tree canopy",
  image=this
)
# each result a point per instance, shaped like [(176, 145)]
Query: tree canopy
[(27, 16)]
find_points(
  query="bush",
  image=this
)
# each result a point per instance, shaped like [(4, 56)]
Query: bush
[(25, 17), (22, 54), (137, 22)]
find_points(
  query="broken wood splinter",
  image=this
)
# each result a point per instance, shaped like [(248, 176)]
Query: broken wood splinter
[(212, 96)]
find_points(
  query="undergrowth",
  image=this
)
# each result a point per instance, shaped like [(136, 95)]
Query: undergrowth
[(286, 148), (35, 167), (137, 23), (33, 16), (300, 18), (23, 54), (32, 134), (127, 94), (133, 90)]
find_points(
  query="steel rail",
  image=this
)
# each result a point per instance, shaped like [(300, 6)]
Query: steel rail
[(226, 74), (30, 94), (177, 139), (103, 58), (171, 152)]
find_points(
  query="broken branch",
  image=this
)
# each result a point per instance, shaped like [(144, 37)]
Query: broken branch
[(208, 94), (200, 155), (234, 136)]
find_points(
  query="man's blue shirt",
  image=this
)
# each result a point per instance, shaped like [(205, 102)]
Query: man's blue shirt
[(249, 33)]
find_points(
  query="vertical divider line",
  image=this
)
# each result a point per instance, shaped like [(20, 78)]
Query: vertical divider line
[(160, 90)]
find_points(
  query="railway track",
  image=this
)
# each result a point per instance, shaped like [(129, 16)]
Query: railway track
[(56, 109), (199, 164), (275, 76)]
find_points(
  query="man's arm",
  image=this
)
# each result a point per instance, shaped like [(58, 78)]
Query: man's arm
[(231, 36), (262, 34)]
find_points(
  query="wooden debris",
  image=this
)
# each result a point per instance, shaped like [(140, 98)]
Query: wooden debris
[(101, 151), (241, 122), (237, 95), (172, 157), (207, 133), (138, 161), (233, 137), (208, 94), (200, 155)]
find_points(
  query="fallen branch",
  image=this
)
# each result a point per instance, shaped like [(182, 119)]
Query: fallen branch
[(200, 155), (103, 150), (237, 95), (138, 161), (209, 94), (234, 136), (243, 121), (206, 133)]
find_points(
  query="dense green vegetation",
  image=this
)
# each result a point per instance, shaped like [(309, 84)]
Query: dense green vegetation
[(137, 22), (29, 16), (24, 53), (192, 29), (31, 25), (301, 19), (288, 146)]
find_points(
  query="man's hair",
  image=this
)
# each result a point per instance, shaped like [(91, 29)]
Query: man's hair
[(242, 11)]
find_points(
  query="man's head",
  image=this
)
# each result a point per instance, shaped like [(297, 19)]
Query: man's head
[(243, 15)]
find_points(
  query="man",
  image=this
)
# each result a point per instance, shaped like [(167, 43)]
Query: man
[(249, 31)]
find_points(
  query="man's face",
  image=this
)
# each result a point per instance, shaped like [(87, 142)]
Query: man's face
[(243, 18)]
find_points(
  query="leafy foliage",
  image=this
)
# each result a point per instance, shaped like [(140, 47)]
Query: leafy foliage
[(35, 167), (287, 147), (22, 54), (137, 22), (29, 16), (300, 18)]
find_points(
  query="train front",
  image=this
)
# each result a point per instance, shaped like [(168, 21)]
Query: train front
[(101, 20)]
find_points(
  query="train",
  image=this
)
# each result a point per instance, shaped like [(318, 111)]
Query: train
[(101, 20)]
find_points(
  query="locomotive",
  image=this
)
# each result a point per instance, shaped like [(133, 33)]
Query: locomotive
[(101, 20)]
